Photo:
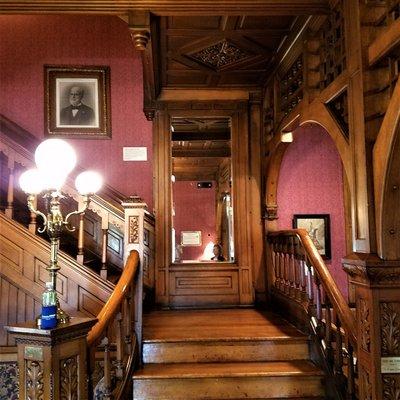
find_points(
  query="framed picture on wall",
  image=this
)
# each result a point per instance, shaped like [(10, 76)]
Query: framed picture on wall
[(318, 227), (191, 238), (77, 101)]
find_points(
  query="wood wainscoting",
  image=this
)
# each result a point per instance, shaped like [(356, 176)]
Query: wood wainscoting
[(203, 284)]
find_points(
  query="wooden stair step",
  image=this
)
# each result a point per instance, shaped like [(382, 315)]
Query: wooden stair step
[(227, 350), (195, 381)]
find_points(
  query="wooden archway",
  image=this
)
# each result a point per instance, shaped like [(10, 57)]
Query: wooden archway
[(386, 164), (315, 113)]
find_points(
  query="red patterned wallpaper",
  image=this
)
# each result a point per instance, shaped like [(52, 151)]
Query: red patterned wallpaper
[(29, 42), (311, 182), (194, 211)]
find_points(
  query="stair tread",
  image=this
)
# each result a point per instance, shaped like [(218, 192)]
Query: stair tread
[(227, 325), (213, 370)]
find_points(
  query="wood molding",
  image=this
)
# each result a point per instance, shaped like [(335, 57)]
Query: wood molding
[(169, 7), (385, 42), (203, 94)]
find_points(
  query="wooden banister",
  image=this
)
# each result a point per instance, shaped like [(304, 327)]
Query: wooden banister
[(331, 288), (302, 285), (116, 299)]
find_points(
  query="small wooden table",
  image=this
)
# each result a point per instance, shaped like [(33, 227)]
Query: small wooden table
[(52, 363)]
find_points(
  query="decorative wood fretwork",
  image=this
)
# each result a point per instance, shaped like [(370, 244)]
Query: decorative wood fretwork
[(333, 47), (133, 229), (365, 324), (220, 55), (69, 378), (34, 380), (291, 87), (391, 387), (390, 329), (338, 107)]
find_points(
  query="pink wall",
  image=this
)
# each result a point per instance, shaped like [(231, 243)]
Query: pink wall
[(311, 182), (194, 211), (29, 42)]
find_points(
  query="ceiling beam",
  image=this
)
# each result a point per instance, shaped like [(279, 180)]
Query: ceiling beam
[(201, 153), (202, 135), (168, 7)]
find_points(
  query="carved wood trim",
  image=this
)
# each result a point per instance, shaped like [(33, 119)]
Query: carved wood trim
[(34, 380), (390, 329), (69, 378), (365, 324)]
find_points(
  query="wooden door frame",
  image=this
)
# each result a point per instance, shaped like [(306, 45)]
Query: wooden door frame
[(238, 114)]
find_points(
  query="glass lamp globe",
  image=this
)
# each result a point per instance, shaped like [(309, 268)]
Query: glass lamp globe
[(31, 181), (88, 182), (55, 159)]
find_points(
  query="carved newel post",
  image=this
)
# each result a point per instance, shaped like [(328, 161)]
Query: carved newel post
[(377, 285), (52, 363)]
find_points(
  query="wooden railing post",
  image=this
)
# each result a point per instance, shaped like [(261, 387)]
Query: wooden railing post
[(104, 230), (135, 240), (377, 288), (81, 238), (10, 188)]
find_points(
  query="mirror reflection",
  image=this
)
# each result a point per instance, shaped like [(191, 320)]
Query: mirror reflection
[(202, 214)]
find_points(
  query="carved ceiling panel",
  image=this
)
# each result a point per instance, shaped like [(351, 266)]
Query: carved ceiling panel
[(219, 51)]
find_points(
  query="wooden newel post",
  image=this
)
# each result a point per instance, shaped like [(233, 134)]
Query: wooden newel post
[(134, 240), (377, 288), (52, 363)]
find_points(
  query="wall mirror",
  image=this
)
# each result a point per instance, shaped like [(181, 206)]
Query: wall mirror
[(202, 210)]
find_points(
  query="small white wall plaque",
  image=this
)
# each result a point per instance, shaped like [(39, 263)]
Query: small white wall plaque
[(134, 153), (390, 365), (191, 238)]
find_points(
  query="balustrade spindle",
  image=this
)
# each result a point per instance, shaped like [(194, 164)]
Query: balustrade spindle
[(351, 390), (81, 233), (128, 323), (10, 189), (119, 364), (103, 270), (107, 369), (339, 353), (32, 222), (328, 330), (310, 288), (318, 301), (104, 230), (291, 267), (303, 277)]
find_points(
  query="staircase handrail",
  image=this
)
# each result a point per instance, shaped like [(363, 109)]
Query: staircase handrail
[(302, 284), (114, 302), (331, 288), (116, 329)]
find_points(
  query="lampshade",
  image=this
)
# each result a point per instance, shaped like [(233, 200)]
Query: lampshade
[(31, 181), (55, 159), (88, 182)]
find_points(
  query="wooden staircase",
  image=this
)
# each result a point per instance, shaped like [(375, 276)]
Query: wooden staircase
[(224, 354)]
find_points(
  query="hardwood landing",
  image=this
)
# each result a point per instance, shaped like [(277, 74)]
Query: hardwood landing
[(224, 354)]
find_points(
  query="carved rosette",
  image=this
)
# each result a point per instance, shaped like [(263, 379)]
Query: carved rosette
[(134, 229), (271, 212), (365, 325), (391, 387), (69, 378), (390, 329), (34, 380), (365, 385)]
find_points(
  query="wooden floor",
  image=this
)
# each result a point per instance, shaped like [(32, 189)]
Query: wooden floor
[(224, 354)]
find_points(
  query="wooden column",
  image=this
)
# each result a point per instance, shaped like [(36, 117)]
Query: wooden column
[(52, 363), (377, 288), (81, 238), (10, 188)]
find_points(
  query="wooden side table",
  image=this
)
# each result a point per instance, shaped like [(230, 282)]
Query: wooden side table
[(52, 363)]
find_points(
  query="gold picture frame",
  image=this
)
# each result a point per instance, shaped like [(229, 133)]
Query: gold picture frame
[(77, 101)]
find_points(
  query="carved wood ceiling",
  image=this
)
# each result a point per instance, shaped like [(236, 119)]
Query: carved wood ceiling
[(199, 147), (219, 51)]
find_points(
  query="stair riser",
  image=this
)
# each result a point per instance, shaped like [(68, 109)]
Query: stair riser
[(227, 388), (224, 351)]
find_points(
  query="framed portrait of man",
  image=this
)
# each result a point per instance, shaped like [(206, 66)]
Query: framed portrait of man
[(77, 101)]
